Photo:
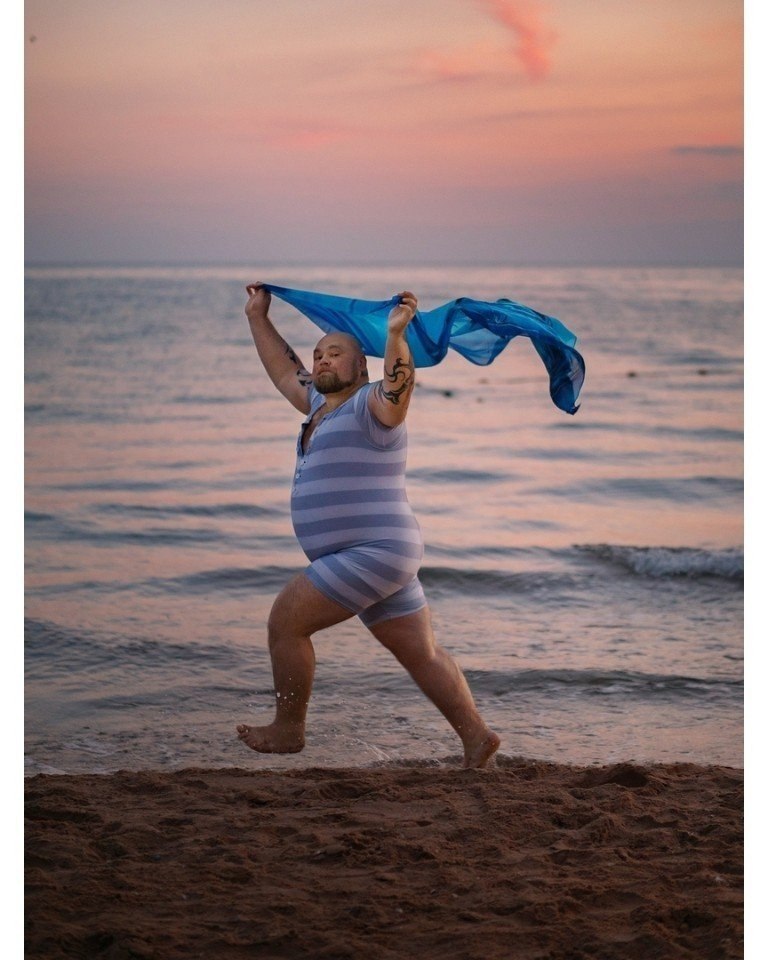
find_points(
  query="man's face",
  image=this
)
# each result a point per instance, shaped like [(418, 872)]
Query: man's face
[(337, 364)]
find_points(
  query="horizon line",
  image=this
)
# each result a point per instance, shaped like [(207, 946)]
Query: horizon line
[(580, 264)]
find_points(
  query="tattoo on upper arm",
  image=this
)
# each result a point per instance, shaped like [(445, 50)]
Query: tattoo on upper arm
[(305, 377), (292, 356), (400, 380)]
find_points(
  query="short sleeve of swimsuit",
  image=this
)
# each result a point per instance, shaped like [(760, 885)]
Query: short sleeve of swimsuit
[(377, 432)]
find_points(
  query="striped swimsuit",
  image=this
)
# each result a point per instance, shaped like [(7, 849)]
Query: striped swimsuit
[(351, 513)]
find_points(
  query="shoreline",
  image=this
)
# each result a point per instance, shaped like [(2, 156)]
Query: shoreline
[(529, 859)]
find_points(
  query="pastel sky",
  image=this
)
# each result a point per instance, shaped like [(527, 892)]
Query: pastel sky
[(515, 131)]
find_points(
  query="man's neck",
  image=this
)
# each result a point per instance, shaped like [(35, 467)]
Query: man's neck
[(333, 400)]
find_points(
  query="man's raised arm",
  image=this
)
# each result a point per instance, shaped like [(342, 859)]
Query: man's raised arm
[(389, 399), (285, 370)]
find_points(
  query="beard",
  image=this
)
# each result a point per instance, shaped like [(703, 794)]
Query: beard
[(330, 382)]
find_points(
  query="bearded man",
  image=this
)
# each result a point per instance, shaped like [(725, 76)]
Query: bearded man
[(352, 518)]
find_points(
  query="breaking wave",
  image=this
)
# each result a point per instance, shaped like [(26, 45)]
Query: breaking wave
[(671, 561)]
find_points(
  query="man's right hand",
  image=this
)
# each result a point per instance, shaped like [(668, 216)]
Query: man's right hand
[(259, 300), (284, 368)]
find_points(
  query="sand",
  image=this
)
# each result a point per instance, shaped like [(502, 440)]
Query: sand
[(524, 860)]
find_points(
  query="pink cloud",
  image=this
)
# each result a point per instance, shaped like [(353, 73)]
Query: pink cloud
[(534, 39), (533, 42)]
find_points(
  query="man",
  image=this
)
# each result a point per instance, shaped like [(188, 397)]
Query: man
[(353, 520)]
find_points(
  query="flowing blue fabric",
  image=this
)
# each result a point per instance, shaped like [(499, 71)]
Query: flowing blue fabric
[(476, 329)]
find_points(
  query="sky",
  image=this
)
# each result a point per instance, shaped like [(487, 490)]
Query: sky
[(469, 131)]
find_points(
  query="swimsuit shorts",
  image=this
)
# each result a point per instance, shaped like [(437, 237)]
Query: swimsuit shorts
[(361, 579)]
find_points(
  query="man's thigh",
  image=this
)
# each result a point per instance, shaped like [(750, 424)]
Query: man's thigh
[(300, 609)]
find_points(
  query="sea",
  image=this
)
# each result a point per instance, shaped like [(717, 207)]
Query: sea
[(586, 571)]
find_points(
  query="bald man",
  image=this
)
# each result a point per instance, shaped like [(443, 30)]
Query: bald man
[(352, 518)]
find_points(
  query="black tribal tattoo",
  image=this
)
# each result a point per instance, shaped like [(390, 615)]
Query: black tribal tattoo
[(305, 377), (401, 379)]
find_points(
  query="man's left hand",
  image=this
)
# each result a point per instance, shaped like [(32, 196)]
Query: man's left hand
[(401, 315)]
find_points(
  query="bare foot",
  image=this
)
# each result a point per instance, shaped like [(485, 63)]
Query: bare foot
[(478, 752), (271, 739)]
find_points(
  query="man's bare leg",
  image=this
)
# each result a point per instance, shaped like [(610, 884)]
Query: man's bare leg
[(412, 641), (299, 610)]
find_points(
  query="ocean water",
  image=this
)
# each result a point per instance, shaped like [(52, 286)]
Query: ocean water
[(586, 571)]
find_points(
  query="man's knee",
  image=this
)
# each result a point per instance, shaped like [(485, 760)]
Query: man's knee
[(300, 610), (418, 656), (409, 639), (280, 623), (275, 629)]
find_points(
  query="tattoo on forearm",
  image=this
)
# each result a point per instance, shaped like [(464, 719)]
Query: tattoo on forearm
[(400, 377)]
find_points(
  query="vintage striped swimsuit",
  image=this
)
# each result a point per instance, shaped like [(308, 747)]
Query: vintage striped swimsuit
[(351, 513)]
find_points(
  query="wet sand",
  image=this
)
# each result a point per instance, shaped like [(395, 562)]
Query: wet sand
[(525, 860)]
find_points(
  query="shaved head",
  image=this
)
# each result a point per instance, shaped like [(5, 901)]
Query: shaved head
[(345, 339)]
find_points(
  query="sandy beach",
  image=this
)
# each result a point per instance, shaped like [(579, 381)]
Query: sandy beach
[(524, 860)]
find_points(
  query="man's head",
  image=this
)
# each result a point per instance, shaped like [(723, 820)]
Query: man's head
[(338, 363)]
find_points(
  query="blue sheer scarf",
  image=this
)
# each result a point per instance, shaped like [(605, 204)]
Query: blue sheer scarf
[(476, 329)]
